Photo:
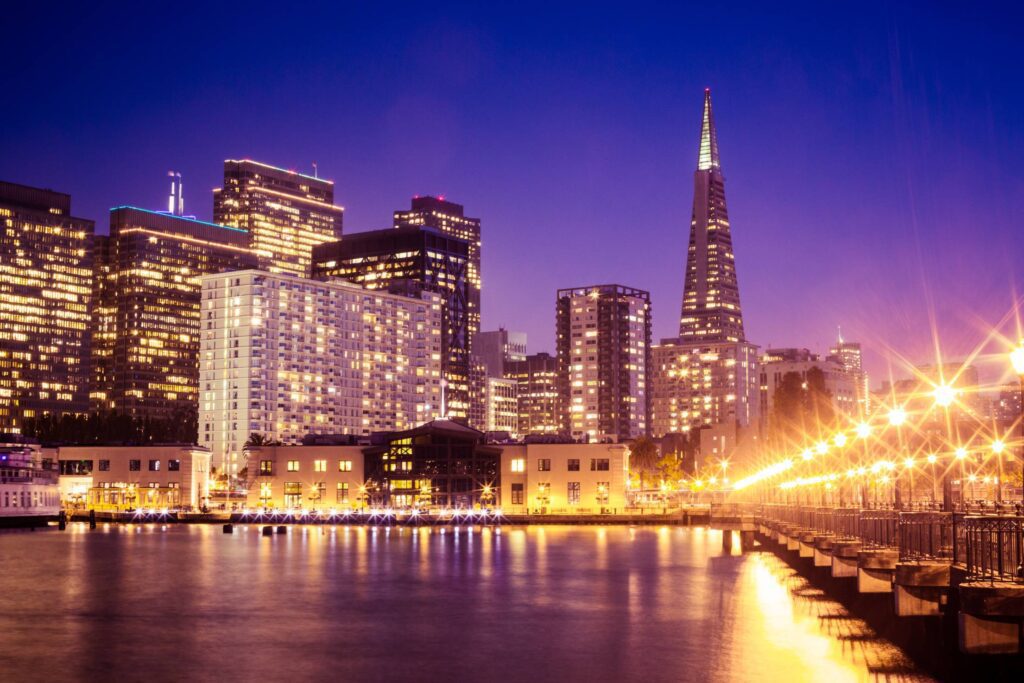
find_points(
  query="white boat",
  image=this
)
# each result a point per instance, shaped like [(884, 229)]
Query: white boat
[(29, 492)]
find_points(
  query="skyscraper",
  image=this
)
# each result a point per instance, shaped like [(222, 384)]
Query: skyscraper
[(849, 356), (409, 260), (145, 351), (45, 292), (711, 296), (708, 375), (536, 378), (604, 347), (449, 218), (285, 213)]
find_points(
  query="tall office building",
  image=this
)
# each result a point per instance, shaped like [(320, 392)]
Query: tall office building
[(849, 356), (145, 350), (502, 406), (449, 218), (708, 375), (498, 348), (45, 292), (536, 380), (410, 260), (604, 346), (285, 213), (285, 357)]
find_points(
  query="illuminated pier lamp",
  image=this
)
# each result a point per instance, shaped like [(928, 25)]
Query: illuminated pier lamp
[(944, 395), (997, 449)]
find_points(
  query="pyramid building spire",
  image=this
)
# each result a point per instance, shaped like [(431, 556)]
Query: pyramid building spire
[(708, 156), (711, 299)]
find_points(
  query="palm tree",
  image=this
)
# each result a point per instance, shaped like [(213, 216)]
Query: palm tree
[(643, 458), (256, 440)]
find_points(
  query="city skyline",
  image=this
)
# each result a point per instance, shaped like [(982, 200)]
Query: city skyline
[(871, 124)]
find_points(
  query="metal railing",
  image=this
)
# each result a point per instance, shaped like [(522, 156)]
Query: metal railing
[(925, 536), (994, 548), (878, 528), (847, 522)]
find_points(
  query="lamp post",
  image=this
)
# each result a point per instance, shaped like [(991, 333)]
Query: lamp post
[(1017, 360), (897, 416), (997, 449)]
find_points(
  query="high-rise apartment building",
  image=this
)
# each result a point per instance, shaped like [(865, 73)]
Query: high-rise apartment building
[(409, 260), (694, 386), (604, 347), (536, 380), (145, 350), (285, 213), (498, 347), (708, 375), (284, 357), (45, 292)]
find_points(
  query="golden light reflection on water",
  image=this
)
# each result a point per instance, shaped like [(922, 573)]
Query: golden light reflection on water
[(586, 603)]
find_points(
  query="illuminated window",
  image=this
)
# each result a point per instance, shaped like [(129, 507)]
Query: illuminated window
[(573, 493), (293, 465), (266, 468), (344, 465), (319, 465), (518, 465)]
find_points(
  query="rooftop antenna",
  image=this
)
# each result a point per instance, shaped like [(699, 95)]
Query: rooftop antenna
[(314, 170), (839, 332)]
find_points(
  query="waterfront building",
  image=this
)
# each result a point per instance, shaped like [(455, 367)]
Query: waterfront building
[(502, 406), (438, 464), (410, 260), (285, 213), (319, 478), (604, 346), (146, 322), (839, 383), (284, 356), (29, 490), (708, 375), (564, 478), (46, 284), (166, 476), (450, 219), (499, 347), (536, 378)]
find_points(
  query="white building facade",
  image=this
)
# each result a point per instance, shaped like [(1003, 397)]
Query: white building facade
[(284, 357)]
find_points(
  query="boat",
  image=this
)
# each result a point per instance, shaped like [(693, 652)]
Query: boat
[(29, 490)]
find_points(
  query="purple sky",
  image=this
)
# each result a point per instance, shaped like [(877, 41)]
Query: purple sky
[(873, 157)]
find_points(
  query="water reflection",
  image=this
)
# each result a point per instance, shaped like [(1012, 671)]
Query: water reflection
[(537, 603)]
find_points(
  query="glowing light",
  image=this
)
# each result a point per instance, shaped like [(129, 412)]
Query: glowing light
[(1017, 358), (822, 447), (944, 395), (961, 453), (908, 463), (932, 459), (840, 439), (863, 430), (807, 454), (998, 446), (897, 416)]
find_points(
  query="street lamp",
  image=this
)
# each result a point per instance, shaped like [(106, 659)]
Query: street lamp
[(1017, 360), (897, 416), (997, 448), (961, 455), (931, 462), (944, 395)]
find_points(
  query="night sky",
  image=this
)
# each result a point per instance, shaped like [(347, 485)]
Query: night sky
[(874, 158)]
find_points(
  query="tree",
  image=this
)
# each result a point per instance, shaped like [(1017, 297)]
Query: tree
[(643, 459), (256, 440), (802, 408)]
